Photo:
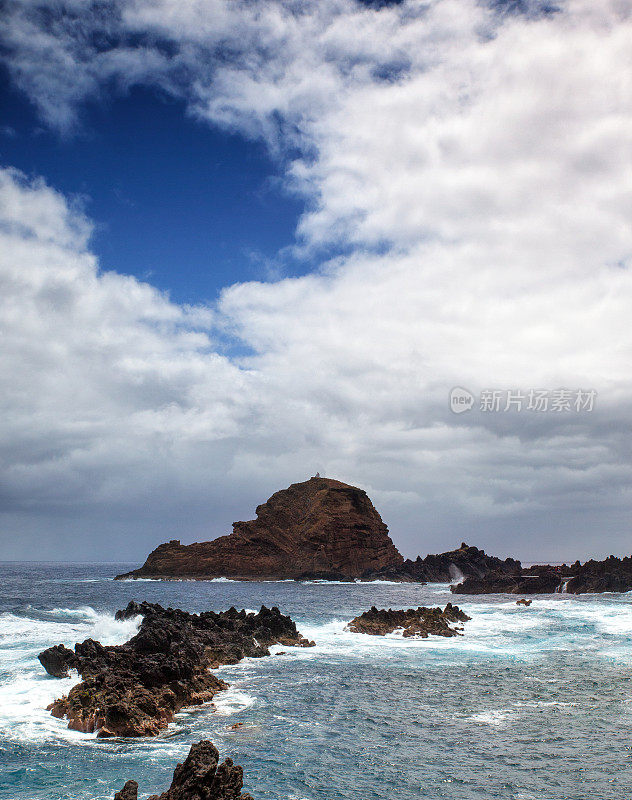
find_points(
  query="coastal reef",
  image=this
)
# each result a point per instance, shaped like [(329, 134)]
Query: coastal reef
[(416, 622), (610, 575), (320, 528), (199, 777), (453, 565), (136, 688)]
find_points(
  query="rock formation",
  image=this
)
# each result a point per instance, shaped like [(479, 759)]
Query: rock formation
[(416, 622), (610, 575), (320, 528), (135, 689), (199, 777), (447, 567)]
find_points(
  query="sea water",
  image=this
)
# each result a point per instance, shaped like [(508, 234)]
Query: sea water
[(530, 704)]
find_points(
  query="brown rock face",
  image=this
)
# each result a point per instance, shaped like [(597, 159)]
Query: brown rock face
[(199, 777), (320, 528)]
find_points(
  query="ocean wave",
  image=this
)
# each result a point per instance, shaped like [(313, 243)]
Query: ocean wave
[(25, 688)]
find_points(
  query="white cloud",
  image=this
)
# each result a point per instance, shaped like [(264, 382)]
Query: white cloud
[(476, 168)]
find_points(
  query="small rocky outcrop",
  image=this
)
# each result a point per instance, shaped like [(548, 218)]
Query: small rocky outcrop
[(199, 777), (135, 689), (453, 565), (320, 528), (542, 580), (610, 575), (416, 622)]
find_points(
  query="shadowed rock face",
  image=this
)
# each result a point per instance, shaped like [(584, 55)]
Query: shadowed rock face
[(135, 689), (610, 575), (320, 528), (199, 777), (417, 622), (447, 567)]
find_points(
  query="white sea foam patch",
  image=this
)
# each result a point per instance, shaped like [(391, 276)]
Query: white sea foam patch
[(231, 701), (25, 688), (496, 718)]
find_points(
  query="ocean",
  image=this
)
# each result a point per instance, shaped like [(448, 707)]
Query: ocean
[(530, 704)]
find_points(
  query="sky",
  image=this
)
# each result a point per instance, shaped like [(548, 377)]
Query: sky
[(242, 242)]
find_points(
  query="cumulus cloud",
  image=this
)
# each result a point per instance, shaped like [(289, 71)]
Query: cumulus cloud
[(474, 167)]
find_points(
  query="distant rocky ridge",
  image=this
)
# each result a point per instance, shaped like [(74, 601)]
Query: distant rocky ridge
[(448, 567), (136, 688), (199, 777), (610, 575), (415, 622)]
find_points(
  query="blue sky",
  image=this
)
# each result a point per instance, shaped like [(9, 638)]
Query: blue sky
[(244, 242), (189, 207)]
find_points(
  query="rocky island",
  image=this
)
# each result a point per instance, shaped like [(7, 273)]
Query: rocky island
[(320, 528), (136, 688), (415, 622), (199, 777)]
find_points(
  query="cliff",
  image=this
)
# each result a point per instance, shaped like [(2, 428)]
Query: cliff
[(320, 528)]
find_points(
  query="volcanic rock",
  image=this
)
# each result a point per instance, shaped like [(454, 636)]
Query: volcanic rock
[(453, 565), (320, 528), (416, 622), (199, 777), (135, 689), (128, 792), (534, 580)]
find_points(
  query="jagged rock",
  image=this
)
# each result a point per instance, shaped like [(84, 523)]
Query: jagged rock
[(540, 580), (135, 689), (523, 602), (128, 792), (57, 661), (453, 565), (610, 575), (199, 777), (320, 528), (416, 622)]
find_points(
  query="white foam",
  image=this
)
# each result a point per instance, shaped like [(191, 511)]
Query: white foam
[(496, 718), (232, 700), (27, 689)]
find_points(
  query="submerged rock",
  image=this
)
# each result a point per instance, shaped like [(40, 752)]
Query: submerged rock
[(320, 528), (418, 622), (134, 689), (199, 777)]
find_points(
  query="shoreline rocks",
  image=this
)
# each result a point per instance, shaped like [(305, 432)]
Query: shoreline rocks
[(453, 565), (610, 575), (199, 777), (416, 622), (136, 688)]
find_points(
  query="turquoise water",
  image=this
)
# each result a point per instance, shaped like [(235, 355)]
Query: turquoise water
[(531, 704)]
